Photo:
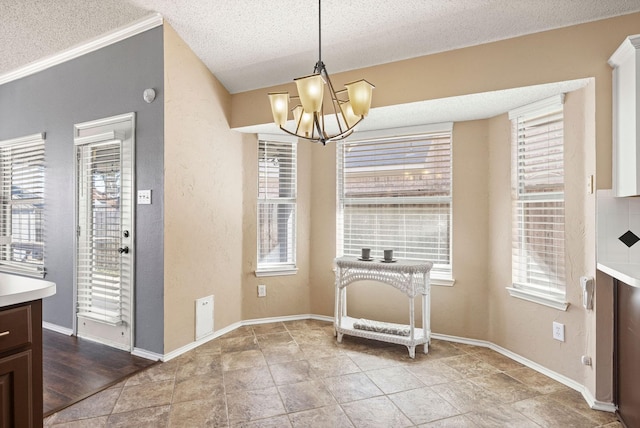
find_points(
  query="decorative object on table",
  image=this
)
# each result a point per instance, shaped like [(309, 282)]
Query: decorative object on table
[(366, 254), (309, 116), (382, 327), (388, 256)]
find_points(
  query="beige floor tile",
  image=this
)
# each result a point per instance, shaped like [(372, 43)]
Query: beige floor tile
[(283, 354), (324, 417), (423, 405), (305, 395), (332, 366), (466, 396), (143, 396), (100, 404), (375, 412), (433, 372), (247, 379), (327, 350), (99, 422), (150, 417), (394, 379), (497, 360), (155, 373), (499, 417), (372, 360), (199, 365), (199, 413), (245, 330), (547, 411), (198, 388), (270, 340), (307, 324), (470, 366), (352, 387), (239, 343), (441, 349), (575, 401), (252, 405), (505, 387), (292, 372), (254, 375), (454, 422), (242, 360), (275, 422), (211, 347), (536, 381), (274, 327)]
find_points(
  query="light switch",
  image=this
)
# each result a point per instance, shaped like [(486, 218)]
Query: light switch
[(144, 197)]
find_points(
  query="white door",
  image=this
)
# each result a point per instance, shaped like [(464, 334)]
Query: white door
[(104, 228)]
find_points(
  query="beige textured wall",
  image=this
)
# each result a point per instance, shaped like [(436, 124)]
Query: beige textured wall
[(203, 196), (288, 294), (520, 326)]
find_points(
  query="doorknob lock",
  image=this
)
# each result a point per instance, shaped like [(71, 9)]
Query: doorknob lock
[(124, 250)]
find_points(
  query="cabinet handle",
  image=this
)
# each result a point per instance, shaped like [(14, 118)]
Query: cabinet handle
[(4, 333)]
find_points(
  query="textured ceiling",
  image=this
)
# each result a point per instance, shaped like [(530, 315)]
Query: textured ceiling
[(250, 44)]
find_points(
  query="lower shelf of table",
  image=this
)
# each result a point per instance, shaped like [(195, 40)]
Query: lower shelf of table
[(420, 337)]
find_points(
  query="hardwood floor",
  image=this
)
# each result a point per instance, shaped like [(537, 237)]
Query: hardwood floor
[(76, 368)]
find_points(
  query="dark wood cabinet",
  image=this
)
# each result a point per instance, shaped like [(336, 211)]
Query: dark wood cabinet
[(21, 365), (627, 353)]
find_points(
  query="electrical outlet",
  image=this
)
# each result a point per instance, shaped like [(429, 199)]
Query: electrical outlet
[(558, 331), (262, 290)]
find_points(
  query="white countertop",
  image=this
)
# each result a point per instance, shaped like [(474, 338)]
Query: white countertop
[(16, 289), (628, 273)]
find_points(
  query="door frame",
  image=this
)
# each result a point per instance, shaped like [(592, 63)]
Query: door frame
[(78, 130)]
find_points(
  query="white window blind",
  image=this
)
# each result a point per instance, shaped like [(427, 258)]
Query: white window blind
[(538, 259), (395, 193), (22, 228), (276, 205), (100, 265)]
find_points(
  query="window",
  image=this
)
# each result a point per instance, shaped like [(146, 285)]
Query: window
[(276, 207), (395, 193), (22, 205), (538, 267)]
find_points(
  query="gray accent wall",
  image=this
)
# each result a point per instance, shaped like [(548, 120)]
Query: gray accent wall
[(103, 83)]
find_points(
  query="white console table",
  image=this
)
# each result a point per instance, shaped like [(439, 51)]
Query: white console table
[(412, 278)]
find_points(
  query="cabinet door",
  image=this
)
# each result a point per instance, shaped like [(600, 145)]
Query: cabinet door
[(627, 351), (16, 405)]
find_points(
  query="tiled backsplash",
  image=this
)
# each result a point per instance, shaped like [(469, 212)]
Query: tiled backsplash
[(618, 228)]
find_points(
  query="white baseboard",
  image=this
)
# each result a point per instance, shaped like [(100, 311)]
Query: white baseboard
[(143, 353), (586, 394), (57, 328)]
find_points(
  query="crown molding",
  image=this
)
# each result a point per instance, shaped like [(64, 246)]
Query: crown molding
[(117, 35)]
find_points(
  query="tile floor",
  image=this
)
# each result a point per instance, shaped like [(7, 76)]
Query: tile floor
[(294, 374)]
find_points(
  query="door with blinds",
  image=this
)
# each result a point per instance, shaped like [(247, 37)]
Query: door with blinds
[(104, 231)]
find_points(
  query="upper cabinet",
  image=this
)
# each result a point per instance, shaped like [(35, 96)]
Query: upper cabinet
[(626, 114)]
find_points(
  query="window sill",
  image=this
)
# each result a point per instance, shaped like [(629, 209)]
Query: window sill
[(442, 280), (276, 272), (539, 298)]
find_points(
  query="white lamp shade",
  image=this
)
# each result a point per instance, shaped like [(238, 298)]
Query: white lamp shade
[(347, 113), (304, 124), (360, 96), (279, 107), (311, 91)]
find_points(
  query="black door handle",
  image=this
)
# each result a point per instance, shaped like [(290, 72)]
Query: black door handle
[(124, 250)]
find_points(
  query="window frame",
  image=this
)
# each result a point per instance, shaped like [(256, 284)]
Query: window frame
[(36, 145), (290, 266), (551, 296), (440, 274)]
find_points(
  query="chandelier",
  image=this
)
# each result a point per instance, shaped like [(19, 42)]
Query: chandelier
[(348, 106)]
